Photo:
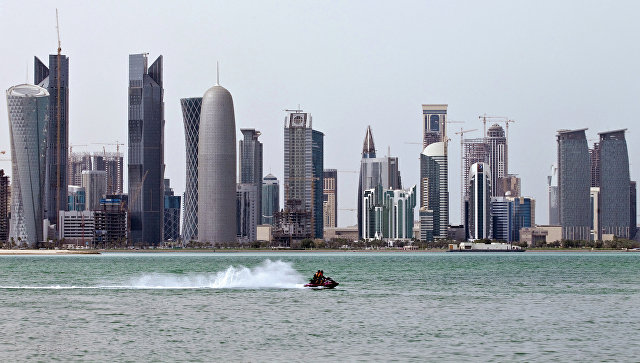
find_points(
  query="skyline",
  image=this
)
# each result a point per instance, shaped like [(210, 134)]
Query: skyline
[(546, 72)]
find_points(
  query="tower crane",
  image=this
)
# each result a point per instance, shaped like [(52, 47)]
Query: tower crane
[(461, 133), (484, 121)]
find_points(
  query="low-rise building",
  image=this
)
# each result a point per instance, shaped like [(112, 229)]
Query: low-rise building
[(348, 233), (77, 227)]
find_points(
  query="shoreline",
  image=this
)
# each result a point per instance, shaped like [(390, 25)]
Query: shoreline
[(33, 252), (47, 252)]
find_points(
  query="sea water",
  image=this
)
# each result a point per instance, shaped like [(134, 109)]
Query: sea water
[(253, 307)]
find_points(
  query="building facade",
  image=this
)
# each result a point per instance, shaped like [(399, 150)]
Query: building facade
[(28, 109), (574, 180), (375, 171), (552, 188), (270, 199), (479, 213), (55, 79), (434, 124), (4, 206), (303, 168), (330, 198), (388, 214), (94, 183), (434, 192), (111, 221), (171, 213), (76, 198), (250, 165), (191, 108), (217, 168), (498, 158), (77, 227), (246, 215), (614, 184), (146, 150)]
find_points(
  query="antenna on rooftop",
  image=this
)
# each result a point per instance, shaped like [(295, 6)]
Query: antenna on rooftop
[(217, 73)]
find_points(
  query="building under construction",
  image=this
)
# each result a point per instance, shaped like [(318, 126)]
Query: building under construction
[(292, 223), (109, 162), (4, 206)]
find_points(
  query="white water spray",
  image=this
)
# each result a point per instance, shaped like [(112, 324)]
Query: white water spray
[(268, 274)]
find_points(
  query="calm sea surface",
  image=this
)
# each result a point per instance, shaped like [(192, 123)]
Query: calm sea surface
[(389, 306)]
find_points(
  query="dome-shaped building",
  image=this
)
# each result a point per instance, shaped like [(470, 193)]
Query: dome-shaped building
[(217, 167)]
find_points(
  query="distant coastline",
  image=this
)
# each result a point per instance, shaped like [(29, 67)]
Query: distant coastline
[(34, 252), (47, 252)]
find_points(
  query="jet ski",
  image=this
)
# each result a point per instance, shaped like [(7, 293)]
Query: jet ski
[(325, 283)]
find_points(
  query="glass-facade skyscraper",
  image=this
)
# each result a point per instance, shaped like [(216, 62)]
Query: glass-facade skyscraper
[(479, 213), (28, 109), (250, 166), (434, 192), (171, 213), (146, 150), (614, 184), (191, 108), (574, 182), (55, 79), (375, 171), (270, 198)]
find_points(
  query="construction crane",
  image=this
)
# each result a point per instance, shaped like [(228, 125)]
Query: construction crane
[(484, 121), (461, 133), (116, 143), (71, 147)]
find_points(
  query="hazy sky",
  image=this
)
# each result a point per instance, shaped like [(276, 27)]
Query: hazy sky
[(546, 64)]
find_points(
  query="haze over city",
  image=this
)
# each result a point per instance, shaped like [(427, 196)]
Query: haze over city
[(546, 65)]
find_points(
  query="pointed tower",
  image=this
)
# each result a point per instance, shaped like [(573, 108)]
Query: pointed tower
[(368, 148)]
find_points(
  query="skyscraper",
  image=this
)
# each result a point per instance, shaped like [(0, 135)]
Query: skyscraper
[(434, 124), (4, 206), (330, 198), (146, 150), (474, 151), (479, 218), (303, 169), (434, 192), (55, 79), (552, 185), (171, 213), (94, 183), (217, 168), (78, 162), (388, 214), (633, 227), (614, 184), (375, 171), (574, 180), (270, 199), (594, 156), (28, 108), (111, 164), (498, 157), (251, 166), (191, 108), (246, 221)]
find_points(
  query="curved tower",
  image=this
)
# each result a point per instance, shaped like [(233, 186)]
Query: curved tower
[(28, 107), (434, 192), (217, 168), (479, 218), (191, 116), (614, 185)]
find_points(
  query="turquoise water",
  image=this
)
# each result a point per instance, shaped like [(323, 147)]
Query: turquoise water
[(389, 306)]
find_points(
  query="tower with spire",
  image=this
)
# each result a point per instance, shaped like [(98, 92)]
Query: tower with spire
[(375, 172)]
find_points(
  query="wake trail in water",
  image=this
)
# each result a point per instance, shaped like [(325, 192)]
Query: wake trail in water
[(269, 274)]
